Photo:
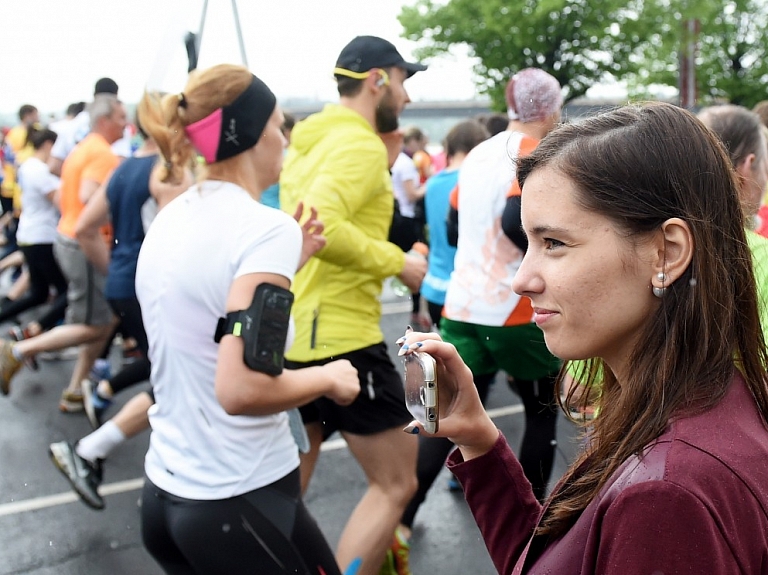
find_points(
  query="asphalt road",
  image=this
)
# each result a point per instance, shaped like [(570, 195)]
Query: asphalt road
[(47, 531)]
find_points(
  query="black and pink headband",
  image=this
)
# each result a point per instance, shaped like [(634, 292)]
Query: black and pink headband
[(236, 127)]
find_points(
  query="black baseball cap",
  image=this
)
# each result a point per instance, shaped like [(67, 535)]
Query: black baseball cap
[(105, 86), (365, 53)]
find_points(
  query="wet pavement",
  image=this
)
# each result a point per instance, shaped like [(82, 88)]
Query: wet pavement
[(47, 531)]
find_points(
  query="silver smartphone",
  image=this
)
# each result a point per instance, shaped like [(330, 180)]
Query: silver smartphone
[(421, 389)]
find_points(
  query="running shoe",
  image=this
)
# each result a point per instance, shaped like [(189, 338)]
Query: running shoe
[(101, 369), (388, 567), (31, 363), (18, 333), (71, 401), (84, 476), (94, 404), (9, 365), (397, 560), (453, 484)]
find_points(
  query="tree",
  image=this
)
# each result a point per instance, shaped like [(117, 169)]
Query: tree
[(732, 61), (584, 42), (579, 42)]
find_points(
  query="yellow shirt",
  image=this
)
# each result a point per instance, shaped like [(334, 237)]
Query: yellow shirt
[(338, 164)]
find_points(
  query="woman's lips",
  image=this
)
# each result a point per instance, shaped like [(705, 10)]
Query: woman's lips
[(541, 315)]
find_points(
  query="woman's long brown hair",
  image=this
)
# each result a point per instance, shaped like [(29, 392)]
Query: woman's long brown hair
[(639, 166)]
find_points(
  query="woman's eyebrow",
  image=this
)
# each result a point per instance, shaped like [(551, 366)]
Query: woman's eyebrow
[(541, 230)]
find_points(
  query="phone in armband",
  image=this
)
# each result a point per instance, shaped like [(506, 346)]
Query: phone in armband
[(421, 389), (263, 328)]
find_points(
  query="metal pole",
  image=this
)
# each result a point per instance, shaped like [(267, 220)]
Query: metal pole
[(688, 53), (202, 25), (239, 33)]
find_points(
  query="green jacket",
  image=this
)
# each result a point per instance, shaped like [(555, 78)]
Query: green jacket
[(338, 164), (758, 245)]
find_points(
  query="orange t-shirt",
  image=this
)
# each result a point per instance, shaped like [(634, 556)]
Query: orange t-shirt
[(92, 159), (423, 163)]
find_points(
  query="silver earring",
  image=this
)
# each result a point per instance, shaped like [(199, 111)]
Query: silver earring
[(660, 291)]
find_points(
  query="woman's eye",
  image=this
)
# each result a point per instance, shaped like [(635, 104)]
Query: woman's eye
[(551, 244)]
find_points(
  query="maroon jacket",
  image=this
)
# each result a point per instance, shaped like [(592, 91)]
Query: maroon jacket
[(695, 503)]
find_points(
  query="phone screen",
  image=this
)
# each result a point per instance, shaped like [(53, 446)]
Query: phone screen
[(421, 389)]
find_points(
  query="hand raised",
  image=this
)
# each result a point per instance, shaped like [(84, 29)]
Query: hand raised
[(313, 239)]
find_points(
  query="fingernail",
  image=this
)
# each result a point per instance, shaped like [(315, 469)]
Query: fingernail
[(400, 340), (403, 349), (408, 329), (412, 429), (419, 344)]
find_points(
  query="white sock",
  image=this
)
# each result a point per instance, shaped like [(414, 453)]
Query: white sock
[(100, 443)]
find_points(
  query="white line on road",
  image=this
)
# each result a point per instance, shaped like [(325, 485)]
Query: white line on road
[(393, 307), (23, 506)]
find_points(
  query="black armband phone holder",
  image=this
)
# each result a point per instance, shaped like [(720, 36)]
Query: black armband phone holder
[(263, 327)]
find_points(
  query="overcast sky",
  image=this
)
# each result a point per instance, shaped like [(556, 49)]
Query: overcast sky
[(54, 50)]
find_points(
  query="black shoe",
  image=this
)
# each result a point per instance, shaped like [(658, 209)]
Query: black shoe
[(84, 476)]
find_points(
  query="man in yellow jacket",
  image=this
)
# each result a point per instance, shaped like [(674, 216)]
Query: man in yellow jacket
[(338, 163)]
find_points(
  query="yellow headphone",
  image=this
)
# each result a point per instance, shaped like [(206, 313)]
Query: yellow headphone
[(382, 81)]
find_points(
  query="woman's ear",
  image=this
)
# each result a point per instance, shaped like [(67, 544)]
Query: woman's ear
[(674, 251)]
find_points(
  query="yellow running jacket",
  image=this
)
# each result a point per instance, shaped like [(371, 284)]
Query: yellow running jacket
[(338, 164)]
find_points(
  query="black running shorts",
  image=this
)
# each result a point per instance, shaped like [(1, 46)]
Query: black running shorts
[(380, 405)]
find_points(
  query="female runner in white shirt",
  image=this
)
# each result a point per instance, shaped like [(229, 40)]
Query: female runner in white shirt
[(222, 492)]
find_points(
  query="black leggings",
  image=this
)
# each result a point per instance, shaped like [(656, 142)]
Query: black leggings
[(435, 312), (537, 451), (432, 454), (44, 272), (267, 531), (131, 325)]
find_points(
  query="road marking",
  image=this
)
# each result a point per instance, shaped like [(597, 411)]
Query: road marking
[(393, 307), (25, 505), (69, 497)]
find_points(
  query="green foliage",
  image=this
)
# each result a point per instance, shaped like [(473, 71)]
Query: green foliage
[(583, 42), (579, 42), (732, 58)]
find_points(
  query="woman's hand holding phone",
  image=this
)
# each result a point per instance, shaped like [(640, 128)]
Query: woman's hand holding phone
[(462, 417)]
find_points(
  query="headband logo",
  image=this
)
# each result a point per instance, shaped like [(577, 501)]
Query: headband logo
[(231, 135)]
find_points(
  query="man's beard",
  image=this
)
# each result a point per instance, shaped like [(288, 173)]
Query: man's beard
[(386, 116)]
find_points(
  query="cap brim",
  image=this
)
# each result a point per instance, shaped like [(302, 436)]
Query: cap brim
[(412, 68)]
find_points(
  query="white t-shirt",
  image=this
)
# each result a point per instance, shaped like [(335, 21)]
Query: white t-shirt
[(39, 217), (73, 131), (480, 291), (193, 251), (404, 170)]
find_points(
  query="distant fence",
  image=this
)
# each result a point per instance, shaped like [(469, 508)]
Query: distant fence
[(436, 118)]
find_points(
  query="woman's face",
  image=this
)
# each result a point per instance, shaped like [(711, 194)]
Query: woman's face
[(268, 153), (590, 287)]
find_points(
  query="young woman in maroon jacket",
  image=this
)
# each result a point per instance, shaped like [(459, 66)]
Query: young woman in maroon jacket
[(638, 259)]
